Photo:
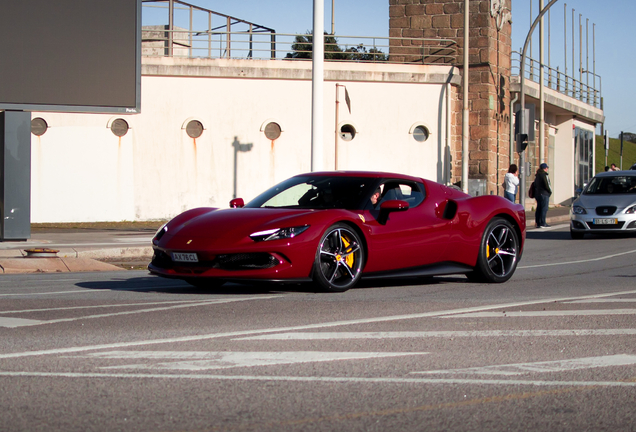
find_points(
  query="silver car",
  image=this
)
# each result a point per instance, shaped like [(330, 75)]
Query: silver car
[(606, 205)]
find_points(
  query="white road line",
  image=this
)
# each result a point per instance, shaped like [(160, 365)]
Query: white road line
[(47, 293), (579, 261), (544, 366), (301, 327), (17, 322), (609, 300), (13, 324), (95, 291), (98, 306), (546, 313), (438, 334), (12, 281), (312, 379), (551, 228), (200, 360)]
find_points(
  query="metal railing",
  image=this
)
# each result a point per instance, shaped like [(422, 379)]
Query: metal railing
[(179, 42), (175, 28), (560, 82)]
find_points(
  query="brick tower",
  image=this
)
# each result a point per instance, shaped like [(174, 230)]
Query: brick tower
[(489, 76)]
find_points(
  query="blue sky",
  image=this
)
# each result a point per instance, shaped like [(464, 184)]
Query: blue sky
[(613, 31)]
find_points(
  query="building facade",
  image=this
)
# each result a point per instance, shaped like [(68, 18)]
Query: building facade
[(211, 129)]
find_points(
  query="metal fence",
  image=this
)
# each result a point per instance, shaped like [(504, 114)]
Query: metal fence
[(178, 29), (556, 80), (179, 42)]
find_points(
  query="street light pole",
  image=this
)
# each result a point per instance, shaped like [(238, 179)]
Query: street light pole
[(520, 149), (317, 85)]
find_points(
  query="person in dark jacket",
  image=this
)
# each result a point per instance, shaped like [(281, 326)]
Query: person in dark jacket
[(542, 192)]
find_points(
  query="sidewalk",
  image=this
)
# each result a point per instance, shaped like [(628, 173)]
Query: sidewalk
[(555, 215), (80, 247), (115, 246)]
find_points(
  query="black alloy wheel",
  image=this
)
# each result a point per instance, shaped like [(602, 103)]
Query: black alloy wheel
[(339, 259), (498, 253)]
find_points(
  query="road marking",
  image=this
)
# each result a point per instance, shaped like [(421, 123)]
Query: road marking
[(609, 300), (12, 281), (544, 366), (46, 293), (17, 322), (97, 291), (438, 334), (551, 228), (147, 239), (201, 360), (314, 379), (301, 327), (98, 306), (579, 261), (545, 313), (25, 323)]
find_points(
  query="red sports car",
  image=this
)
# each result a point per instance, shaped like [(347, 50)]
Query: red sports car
[(334, 228)]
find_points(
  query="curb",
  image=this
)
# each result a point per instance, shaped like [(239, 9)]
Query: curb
[(53, 265)]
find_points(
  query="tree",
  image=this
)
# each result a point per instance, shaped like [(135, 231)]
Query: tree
[(360, 53), (629, 136), (303, 47)]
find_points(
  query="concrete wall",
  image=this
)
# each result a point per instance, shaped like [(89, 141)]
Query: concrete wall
[(83, 172)]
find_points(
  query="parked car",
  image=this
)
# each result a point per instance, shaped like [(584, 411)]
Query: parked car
[(333, 228), (607, 204)]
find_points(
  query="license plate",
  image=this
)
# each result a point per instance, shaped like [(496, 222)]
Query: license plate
[(184, 257), (605, 221)]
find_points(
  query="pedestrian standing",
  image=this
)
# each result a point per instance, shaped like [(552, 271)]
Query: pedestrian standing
[(542, 192), (511, 182)]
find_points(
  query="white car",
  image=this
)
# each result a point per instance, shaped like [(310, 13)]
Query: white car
[(606, 205)]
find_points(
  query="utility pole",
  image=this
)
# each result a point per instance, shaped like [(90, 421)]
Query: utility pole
[(317, 85), (465, 117), (520, 144)]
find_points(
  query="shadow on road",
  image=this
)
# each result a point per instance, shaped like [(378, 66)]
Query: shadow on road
[(175, 286), (565, 235)]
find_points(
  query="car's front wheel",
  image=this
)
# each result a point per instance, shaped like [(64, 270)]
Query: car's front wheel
[(498, 253), (339, 259)]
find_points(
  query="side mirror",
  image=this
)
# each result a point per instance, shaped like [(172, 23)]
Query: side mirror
[(237, 203), (578, 192), (391, 206)]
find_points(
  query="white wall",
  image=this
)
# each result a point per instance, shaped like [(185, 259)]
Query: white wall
[(82, 172)]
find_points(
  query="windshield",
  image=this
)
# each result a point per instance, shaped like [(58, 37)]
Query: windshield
[(317, 192), (612, 185)]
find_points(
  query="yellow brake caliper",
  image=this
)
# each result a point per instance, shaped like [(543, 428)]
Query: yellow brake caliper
[(349, 259)]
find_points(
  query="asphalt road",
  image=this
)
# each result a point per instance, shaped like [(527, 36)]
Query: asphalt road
[(553, 350)]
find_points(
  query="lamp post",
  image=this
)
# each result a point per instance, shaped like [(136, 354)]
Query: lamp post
[(317, 85), (520, 147)]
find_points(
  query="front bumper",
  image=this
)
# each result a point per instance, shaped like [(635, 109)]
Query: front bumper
[(288, 263), (588, 224)]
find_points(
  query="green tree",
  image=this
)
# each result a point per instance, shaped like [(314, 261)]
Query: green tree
[(303, 47), (360, 53)]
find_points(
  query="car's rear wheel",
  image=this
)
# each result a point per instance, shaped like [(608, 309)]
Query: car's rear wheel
[(576, 235), (498, 253), (205, 283), (339, 259)]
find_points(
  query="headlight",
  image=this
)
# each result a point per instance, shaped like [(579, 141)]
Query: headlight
[(631, 210), (160, 232), (578, 210), (278, 233)]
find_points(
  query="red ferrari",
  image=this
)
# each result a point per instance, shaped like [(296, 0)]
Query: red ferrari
[(333, 228)]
